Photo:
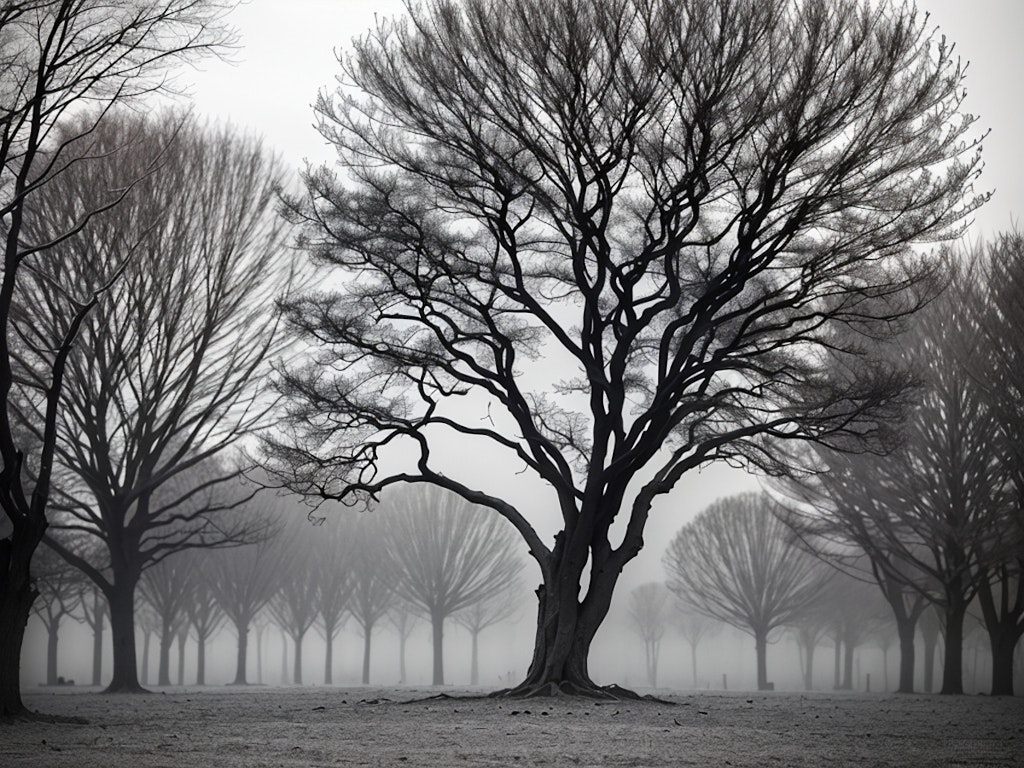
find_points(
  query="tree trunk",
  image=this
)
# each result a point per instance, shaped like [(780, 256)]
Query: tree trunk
[(97, 640), (848, 666), (952, 663), (367, 633), (121, 600), (17, 594), (145, 657), (284, 658), (837, 662), (297, 673), (474, 659), (401, 657), (693, 662), (905, 629), (163, 674), (200, 660), (241, 658), (437, 627), (761, 649), (808, 674), (52, 636), (182, 640), (655, 651), (329, 655), (260, 631)]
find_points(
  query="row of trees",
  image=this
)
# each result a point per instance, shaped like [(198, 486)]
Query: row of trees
[(423, 553)]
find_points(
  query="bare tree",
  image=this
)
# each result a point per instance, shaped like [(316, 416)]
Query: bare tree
[(698, 208), (55, 57), (93, 608), (244, 579), (648, 608), (332, 562), (295, 605), (736, 562), (169, 372), (372, 582), (447, 554), (166, 588), (497, 607), (404, 621), (694, 627), (59, 587), (205, 616)]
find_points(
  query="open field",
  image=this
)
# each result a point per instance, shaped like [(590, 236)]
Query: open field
[(390, 727)]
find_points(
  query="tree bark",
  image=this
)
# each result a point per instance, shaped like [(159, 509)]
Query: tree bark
[(1003, 645), (953, 662), (905, 629), (121, 599)]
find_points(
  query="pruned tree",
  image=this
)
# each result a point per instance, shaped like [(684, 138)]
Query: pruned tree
[(737, 562), (648, 610), (169, 373), (447, 555), (698, 208), (55, 57)]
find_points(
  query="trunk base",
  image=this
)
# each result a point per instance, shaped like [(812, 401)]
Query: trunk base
[(568, 688), (128, 687)]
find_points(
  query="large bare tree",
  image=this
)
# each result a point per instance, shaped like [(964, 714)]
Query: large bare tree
[(447, 555), (737, 562), (606, 242), (169, 372), (57, 56)]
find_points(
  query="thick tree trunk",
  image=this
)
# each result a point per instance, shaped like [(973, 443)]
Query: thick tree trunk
[(97, 640), (905, 629), (952, 664), (761, 650), (241, 658), (16, 597), (437, 635), (52, 636), (1003, 645), (121, 600)]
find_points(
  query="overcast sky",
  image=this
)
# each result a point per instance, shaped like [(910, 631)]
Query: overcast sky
[(287, 54)]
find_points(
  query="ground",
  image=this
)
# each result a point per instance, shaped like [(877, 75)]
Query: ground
[(254, 727)]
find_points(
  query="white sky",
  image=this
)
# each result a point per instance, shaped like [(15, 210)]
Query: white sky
[(287, 55)]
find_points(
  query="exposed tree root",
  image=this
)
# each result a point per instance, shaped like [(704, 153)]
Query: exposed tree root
[(569, 688)]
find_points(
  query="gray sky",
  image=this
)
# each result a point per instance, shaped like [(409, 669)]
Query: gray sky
[(287, 55)]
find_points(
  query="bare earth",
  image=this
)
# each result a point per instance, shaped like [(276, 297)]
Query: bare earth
[(388, 727)]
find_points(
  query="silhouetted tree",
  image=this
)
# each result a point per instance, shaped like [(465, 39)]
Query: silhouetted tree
[(736, 562), (166, 587), (648, 609), (404, 621), (693, 626), (331, 562), (447, 555), (494, 609), (205, 616), (93, 611), (56, 57), (295, 604), (689, 204), (171, 364)]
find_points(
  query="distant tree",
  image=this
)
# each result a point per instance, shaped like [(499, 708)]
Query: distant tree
[(332, 562), (372, 582), (498, 607), (649, 611), (693, 626), (167, 589), (686, 203), (244, 579), (170, 368), (736, 562), (857, 615), (59, 587), (205, 616), (295, 604), (447, 555), (56, 58), (93, 611), (148, 623), (404, 621)]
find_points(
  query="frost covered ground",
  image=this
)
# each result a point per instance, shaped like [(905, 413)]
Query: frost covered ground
[(389, 727)]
